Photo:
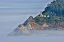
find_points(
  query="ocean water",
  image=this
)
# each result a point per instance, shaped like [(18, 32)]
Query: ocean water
[(9, 23)]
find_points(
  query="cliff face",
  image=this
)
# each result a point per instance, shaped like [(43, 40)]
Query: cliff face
[(35, 26), (31, 24), (30, 19), (20, 30), (23, 29)]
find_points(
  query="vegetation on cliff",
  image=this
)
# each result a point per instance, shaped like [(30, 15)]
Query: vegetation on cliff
[(55, 10)]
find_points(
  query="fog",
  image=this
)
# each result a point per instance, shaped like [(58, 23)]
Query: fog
[(15, 12), (9, 23)]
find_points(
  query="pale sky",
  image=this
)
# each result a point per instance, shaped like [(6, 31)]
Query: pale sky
[(22, 6)]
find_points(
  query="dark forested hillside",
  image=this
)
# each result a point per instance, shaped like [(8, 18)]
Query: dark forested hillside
[(55, 10)]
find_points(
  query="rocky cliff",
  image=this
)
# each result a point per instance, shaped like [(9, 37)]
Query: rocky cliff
[(20, 30), (30, 19), (31, 24), (35, 26)]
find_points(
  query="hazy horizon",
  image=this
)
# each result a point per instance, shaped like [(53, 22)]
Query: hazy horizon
[(15, 12), (22, 7)]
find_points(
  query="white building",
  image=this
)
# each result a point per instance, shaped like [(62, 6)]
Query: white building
[(41, 15), (48, 16), (44, 15)]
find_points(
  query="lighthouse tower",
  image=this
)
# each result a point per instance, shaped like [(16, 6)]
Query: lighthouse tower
[(41, 14)]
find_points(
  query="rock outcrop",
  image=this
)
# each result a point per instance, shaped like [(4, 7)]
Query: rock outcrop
[(44, 24), (23, 29), (20, 30), (30, 19), (34, 26), (30, 24)]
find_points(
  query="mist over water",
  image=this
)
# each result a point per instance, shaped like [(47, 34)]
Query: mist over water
[(9, 23), (15, 12)]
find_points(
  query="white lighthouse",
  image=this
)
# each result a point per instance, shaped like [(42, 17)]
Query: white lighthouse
[(41, 14), (48, 16)]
